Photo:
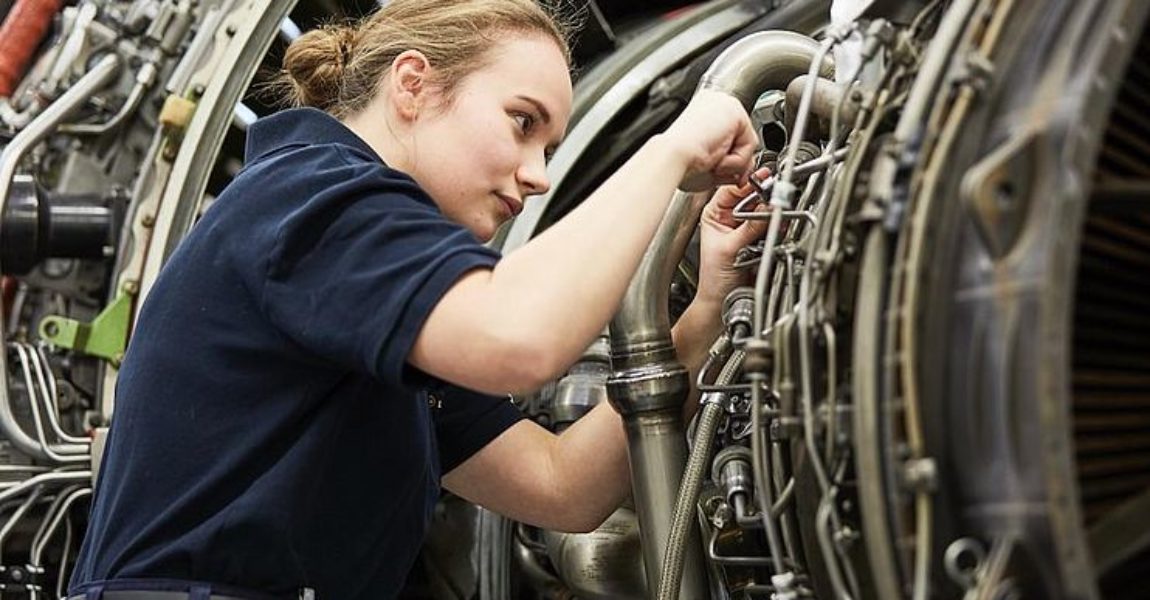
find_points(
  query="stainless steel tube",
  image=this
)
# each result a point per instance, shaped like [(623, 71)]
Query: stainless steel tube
[(603, 564), (763, 61), (92, 81), (648, 385), (827, 99)]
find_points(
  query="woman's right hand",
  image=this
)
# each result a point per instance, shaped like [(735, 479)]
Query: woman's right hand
[(715, 137)]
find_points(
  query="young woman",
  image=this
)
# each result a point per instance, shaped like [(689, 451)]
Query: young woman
[(297, 389)]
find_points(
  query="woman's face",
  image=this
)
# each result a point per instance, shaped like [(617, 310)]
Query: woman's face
[(484, 153)]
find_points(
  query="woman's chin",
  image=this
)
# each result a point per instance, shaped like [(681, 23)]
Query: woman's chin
[(486, 231)]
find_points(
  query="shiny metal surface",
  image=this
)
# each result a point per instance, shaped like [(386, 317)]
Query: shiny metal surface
[(763, 61), (643, 322), (640, 332), (604, 564), (823, 104)]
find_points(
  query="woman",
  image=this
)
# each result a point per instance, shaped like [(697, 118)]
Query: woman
[(296, 390)]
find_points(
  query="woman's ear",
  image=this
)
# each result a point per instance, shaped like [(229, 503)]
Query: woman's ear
[(406, 83)]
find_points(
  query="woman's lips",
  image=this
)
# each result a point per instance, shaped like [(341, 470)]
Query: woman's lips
[(514, 207)]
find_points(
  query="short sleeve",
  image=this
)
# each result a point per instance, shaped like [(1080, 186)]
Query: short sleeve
[(466, 421), (355, 271)]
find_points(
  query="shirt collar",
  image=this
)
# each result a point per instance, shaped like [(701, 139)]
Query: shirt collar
[(300, 127)]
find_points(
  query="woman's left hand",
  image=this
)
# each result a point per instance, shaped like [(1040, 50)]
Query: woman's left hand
[(721, 238)]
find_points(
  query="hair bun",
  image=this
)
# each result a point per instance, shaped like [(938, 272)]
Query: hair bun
[(315, 63)]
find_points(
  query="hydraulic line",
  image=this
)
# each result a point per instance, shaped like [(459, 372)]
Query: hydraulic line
[(692, 482), (51, 477), (78, 453), (758, 464), (59, 512)]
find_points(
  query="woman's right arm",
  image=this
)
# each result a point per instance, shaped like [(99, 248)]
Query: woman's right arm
[(521, 324)]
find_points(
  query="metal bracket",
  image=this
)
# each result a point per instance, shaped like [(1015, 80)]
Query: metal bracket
[(106, 336)]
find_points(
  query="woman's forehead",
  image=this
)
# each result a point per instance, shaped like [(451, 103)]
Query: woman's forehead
[(533, 68)]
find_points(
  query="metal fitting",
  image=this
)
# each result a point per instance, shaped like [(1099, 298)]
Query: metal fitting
[(738, 312), (760, 357), (731, 471), (784, 586)]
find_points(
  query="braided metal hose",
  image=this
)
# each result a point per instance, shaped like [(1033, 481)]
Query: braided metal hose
[(692, 482)]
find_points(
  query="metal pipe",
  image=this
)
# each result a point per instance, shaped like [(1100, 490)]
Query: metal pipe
[(33, 134), (603, 564), (46, 478), (36, 564), (18, 514), (763, 61), (59, 453), (144, 80), (827, 99), (648, 385), (537, 576), (47, 392)]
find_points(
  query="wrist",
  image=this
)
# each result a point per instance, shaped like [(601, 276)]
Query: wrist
[(702, 319), (707, 303), (670, 149)]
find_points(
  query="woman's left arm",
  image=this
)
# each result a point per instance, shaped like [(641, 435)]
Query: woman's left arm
[(721, 237), (573, 481)]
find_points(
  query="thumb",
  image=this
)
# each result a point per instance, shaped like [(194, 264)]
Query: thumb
[(752, 230)]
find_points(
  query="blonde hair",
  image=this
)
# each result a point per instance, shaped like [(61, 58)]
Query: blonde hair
[(337, 68)]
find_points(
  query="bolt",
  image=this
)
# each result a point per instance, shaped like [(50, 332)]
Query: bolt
[(131, 287), (723, 517), (920, 475), (148, 220)]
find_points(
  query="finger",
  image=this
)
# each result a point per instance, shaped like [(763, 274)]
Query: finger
[(746, 142), (751, 230), (731, 169), (727, 197)]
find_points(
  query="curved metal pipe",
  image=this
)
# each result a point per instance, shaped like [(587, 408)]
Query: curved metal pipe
[(648, 385), (144, 80), (603, 564), (37, 130), (828, 97), (763, 61)]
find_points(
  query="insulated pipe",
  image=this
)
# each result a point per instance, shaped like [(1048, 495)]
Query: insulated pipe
[(33, 134), (648, 385), (21, 34)]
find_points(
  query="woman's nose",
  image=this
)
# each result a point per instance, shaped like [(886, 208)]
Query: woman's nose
[(533, 176)]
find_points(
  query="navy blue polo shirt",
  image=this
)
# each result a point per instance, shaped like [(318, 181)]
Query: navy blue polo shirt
[(268, 432)]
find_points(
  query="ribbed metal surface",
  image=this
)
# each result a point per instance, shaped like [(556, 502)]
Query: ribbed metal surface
[(1111, 377), (1112, 362)]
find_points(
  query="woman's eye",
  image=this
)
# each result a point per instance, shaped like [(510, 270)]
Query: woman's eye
[(525, 122)]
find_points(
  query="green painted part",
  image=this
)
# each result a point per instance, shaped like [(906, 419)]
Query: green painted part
[(106, 336)]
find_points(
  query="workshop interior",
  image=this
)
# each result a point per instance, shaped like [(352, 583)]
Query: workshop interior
[(938, 385)]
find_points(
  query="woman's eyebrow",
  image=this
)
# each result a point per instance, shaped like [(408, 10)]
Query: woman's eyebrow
[(546, 116), (543, 114)]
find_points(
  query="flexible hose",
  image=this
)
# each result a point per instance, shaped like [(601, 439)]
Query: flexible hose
[(692, 482)]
